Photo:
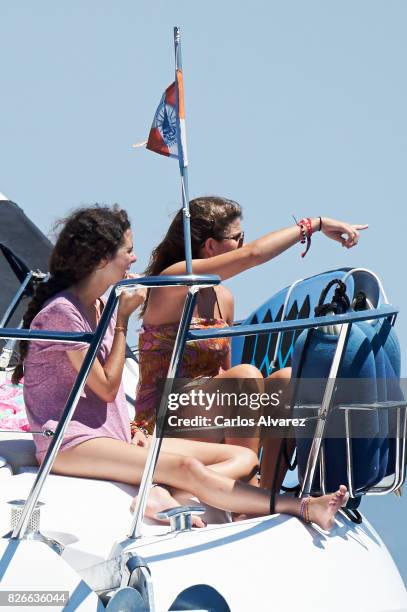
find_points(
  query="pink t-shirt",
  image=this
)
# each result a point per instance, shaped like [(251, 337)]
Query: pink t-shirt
[(49, 376)]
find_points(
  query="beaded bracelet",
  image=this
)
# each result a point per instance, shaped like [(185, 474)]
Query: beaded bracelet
[(120, 328), (306, 231), (139, 426), (305, 226)]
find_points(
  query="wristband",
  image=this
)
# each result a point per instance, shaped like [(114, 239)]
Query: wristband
[(142, 426), (120, 328), (305, 226)]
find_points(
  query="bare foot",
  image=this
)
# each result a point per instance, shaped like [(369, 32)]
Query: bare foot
[(322, 510), (160, 499), (236, 517)]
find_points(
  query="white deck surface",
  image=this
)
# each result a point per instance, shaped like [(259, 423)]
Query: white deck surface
[(259, 564)]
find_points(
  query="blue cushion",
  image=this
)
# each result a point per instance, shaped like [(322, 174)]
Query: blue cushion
[(385, 345), (358, 363)]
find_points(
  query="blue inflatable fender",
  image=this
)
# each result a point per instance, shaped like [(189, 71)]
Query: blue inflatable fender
[(386, 348), (312, 359)]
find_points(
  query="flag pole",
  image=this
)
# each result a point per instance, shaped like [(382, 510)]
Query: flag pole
[(182, 148)]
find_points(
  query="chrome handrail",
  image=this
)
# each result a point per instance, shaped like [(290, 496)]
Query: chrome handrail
[(296, 324), (156, 440), (284, 311), (400, 465), (46, 336), (324, 411), (373, 275), (16, 299)]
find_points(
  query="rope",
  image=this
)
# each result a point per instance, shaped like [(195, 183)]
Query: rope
[(340, 302)]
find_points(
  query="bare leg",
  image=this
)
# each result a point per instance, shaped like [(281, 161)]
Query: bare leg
[(243, 498), (232, 461), (242, 378), (116, 460), (271, 451), (110, 459), (226, 459), (253, 383)]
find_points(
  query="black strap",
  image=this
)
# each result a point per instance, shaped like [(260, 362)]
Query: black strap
[(340, 302), (295, 489), (360, 302), (283, 447), (290, 466), (18, 266), (217, 302), (274, 483), (353, 515)]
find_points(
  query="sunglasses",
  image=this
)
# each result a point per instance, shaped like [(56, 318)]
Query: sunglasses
[(238, 237)]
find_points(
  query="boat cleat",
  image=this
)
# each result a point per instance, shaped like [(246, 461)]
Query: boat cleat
[(181, 516)]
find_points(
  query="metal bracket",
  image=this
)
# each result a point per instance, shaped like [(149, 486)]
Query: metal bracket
[(137, 575), (181, 516)]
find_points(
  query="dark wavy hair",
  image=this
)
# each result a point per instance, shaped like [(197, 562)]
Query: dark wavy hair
[(87, 236), (210, 216)]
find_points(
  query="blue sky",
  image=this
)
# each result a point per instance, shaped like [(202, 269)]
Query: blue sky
[(292, 107)]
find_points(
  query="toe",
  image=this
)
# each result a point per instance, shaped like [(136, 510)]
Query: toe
[(198, 522)]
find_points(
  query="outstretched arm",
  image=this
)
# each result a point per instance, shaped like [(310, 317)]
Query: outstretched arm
[(267, 247)]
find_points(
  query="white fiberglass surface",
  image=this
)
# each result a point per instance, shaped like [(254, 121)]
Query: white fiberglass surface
[(279, 563), (93, 512), (31, 566), (90, 515), (267, 554)]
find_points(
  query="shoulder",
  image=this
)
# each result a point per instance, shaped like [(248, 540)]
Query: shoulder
[(57, 312), (225, 294)]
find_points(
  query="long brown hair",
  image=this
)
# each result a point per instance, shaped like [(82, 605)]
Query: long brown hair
[(210, 217), (87, 236)]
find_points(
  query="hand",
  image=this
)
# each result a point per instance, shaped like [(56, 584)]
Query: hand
[(130, 300), (140, 439), (345, 233)]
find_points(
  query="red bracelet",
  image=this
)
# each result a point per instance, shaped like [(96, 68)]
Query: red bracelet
[(308, 226), (141, 425), (306, 231)]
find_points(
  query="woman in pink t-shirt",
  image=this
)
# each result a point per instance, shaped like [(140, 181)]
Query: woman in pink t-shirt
[(94, 250)]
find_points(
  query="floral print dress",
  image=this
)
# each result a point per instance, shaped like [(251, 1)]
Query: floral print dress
[(201, 359)]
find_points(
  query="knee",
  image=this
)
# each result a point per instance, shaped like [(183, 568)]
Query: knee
[(248, 459), (250, 376), (252, 460), (246, 370), (190, 468), (283, 374)]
